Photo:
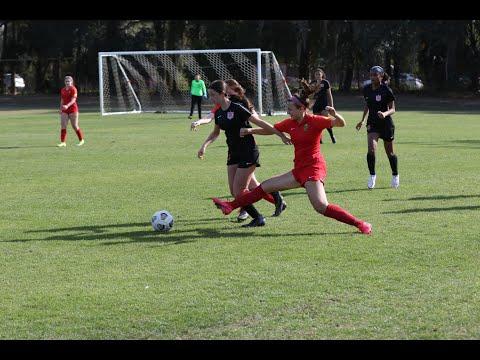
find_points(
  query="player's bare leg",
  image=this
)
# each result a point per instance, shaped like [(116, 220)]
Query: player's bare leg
[(74, 121), (63, 131), (372, 139), (231, 171), (243, 177)]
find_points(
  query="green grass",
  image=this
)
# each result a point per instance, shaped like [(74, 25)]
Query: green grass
[(78, 258)]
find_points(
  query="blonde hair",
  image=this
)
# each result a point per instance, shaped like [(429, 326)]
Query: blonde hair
[(69, 77)]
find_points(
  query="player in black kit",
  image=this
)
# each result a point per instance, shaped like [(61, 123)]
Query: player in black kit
[(243, 154), (379, 105), (323, 97)]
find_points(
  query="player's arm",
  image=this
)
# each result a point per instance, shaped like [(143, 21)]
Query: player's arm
[(390, 111), (338, 120), (211, 138), (329, 97), (195, 124), (365, 112), (255, 131), (269, 127)]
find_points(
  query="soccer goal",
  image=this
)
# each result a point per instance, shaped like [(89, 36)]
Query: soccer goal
[(159, 81)]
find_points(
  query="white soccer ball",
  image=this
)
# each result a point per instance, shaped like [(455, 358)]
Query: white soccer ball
[(162, 221)]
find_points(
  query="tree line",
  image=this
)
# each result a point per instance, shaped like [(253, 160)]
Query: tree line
[(445, 54)]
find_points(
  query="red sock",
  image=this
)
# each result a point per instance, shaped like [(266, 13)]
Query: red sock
[(79, 134), (337, 213), (267, 197), (63, 135), (248, 197)]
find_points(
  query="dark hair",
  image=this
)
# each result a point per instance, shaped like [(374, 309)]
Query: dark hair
[(218, 86), (322, 71), (240, 94), (385, 77), (303, 94)]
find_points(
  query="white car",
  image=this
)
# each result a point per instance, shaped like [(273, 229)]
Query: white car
[(408, 81), (19, 81)]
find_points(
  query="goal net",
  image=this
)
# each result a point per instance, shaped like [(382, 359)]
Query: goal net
[(159, 81)]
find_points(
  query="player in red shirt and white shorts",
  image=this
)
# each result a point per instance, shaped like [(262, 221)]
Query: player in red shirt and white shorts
[(310, 169), (69, 111)]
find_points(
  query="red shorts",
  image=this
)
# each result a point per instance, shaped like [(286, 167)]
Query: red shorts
[(311, 173), (72, 109)]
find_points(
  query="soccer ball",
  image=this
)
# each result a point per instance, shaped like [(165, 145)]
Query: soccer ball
[(162, 221)]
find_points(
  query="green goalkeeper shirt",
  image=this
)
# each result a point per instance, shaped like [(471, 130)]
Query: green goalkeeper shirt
[(198, 88)]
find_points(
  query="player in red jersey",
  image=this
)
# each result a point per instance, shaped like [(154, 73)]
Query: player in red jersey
[(236, 93), (69, 111), (310, 168)]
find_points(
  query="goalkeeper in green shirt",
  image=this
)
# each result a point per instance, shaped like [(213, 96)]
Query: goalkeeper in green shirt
[(198, 91)]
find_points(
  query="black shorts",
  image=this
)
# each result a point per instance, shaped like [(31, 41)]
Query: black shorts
[(244, 159), (386, 132)]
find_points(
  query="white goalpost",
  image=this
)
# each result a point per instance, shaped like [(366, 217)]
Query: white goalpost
[(159, 81)]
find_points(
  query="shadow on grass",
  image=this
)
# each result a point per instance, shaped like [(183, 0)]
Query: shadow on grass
[(303, 192), (452, 208), (454, 144), (24, 147), (435, 197), (99, 233)]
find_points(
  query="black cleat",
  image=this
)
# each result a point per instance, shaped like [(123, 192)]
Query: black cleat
[(280, 205), (334, 140), (259, 221), (280, 209)]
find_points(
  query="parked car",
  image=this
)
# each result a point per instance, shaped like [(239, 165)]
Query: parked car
[(407, 81), (410, 81), (7, 81)]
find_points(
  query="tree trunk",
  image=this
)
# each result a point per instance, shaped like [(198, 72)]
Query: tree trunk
[(348, 63), (159, 28), (303, 30), (451, 62)]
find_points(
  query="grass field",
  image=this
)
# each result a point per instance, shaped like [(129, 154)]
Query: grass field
[(78, 258)]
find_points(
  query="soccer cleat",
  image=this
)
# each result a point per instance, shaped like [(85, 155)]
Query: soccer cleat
[(371, 181), (190, 117), (223, 205), (62, 144), (334, 140), (395, 181), (280, 206), (365, 228), (81, 142), (259, 221), (242, 215)]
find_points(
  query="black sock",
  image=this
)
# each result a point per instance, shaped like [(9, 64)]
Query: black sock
[(371, 163), (252, 211), (394, 164), (276, 195)]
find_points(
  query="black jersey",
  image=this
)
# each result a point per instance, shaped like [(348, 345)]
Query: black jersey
[(377, 100), (231, 121), (320, 97)]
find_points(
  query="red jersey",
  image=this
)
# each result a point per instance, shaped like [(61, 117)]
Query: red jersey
[(68, 94), (305, 137), (215, 108)]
